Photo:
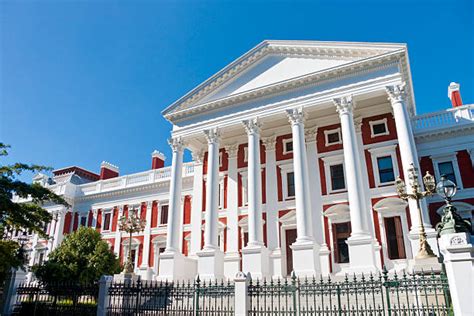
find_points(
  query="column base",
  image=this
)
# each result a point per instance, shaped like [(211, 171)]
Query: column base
[(210, 264), (146, 273), (414, 237), (126, 278), (361, 255), (175, 266), (276, 264), (231, 264), (324, 258), (305, 259), (255, 260)]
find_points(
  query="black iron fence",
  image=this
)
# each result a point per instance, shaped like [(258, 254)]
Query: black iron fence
[(382, 294), (171, 298), (65, 299)]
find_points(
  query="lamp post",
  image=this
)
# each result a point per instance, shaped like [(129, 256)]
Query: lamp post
[(418, 194), (131, 224), (451, 222)]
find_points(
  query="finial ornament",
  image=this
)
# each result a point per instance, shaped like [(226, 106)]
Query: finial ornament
[(252, 126), (269, 142), (212, 135), (176, 144), (344, 105), (396, 93), (296, 115), (232, 150)]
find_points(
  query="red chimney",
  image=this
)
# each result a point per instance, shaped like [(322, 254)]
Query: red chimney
[(157, 160), (108, 170), (454, 95)]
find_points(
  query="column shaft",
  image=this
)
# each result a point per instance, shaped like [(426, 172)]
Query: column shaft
[(174, 214), (118, 233), (273, 235), (196, 209), (232, 201), (147, 235)]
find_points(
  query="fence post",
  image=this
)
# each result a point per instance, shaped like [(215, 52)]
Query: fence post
[(9, 293), (242, 300), (458, 259), (103, 301)]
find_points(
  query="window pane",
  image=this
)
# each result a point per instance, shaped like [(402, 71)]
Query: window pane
[(379, 129), (83, 221), (386, 173), (289, 146), (337, 177), (447, 169), (394, 235), (164, 215), (290, 178), (107, 221), (333, 137)]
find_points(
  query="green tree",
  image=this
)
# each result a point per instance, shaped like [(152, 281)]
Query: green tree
[(82, 256), (25, 215)]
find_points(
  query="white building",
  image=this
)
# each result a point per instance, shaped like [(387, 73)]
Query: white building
[(296, 146)]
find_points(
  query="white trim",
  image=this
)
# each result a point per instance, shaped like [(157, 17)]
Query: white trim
[(245, 192), (221, 193), (447, 157), (161, 204), (332, 131), (285, 169), (104, 212), (246, 153), (376, 122), (285, 142), (332, 161), (384, 151)]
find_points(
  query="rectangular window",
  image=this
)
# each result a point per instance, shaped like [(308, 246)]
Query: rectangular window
[(83, 220), (379, 129), (394, 234), (333, 138), (337, 177), (385, 166), (107, 217), (164, 215), (341, 232), (447, 169), (290, 184), (287, 146)]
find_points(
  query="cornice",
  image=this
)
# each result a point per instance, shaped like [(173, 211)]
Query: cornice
[(442, 133), (327, 75)]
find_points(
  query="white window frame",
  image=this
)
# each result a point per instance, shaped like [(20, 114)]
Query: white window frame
[(81, 216), (285, 169), (332, 131), (332, 161), (102, 228), (447, 157), (245, 188), (286, 141), (383, 152), (377, 122), (160, 208), (221, 158), (220, 200), (246, 153)]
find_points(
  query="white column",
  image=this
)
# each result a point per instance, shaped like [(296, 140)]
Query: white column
[(273, 225), (212, 192), (173, 264), (255, 254), (146, 242), (52, 228), (174, 214), (361, 250), (196, 208), (95, 212), (118, 233), (304, 249), (252, 128), (58, 233), (301, 174), (232, 256), (211, 259), (409, 156)]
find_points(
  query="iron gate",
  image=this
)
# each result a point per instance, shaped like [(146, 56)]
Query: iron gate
[(382, 294)]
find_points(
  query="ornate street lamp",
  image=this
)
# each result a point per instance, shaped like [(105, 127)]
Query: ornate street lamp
[(451, 222), (131, 224), (418, 194)]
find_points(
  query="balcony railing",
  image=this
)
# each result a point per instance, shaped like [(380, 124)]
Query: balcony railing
[(444, 119)]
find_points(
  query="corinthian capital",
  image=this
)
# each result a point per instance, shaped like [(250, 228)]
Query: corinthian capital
[(176, 144), (212, 135), (232, 150), (310, 134), (396, 93), (252, 126), (296, 115), (269, 142), (344, 105), (198, 156)]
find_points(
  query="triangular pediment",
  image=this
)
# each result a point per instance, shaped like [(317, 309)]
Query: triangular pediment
[(276, 62)]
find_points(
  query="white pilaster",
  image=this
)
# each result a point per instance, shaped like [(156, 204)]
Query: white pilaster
[(58, 233), (361, 249), (409, 156), (196, 208), (211, 258), (305, 259), (173, 265), (118, 233), (95, 212), (273, 226), (232, 256), (145, 270), (52, 229), (255, 254)]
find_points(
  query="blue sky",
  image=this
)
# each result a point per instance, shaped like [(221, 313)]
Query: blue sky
[(85, 81)]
